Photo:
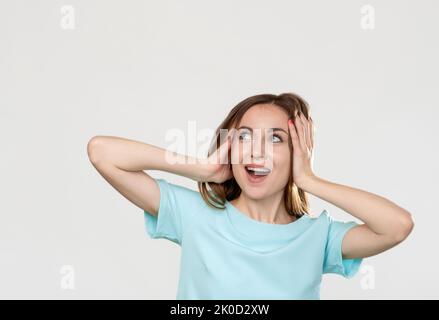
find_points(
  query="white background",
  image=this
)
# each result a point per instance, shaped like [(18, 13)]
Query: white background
[(137, 69)]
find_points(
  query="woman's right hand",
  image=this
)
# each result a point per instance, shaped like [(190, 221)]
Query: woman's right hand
[(218, 168)]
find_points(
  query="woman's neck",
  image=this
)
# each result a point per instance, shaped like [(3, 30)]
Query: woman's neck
[(268, 210)]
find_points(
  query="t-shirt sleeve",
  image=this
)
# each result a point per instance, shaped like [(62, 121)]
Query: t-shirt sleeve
[(333, 261), (178, 205)]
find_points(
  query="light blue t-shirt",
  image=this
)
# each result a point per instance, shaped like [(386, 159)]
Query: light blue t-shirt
[(228, 255)]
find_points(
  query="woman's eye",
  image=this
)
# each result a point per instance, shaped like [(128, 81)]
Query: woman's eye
[(276, 138), (245, 136)]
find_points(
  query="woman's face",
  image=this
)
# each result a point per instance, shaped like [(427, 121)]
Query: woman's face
[(262, 140)]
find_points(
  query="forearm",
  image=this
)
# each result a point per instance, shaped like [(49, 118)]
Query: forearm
[(380, 214), (131, 155)]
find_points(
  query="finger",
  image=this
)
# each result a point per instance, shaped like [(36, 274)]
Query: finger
[(226, 147), (234, 147), (311, 122), (300, 131), (294, 136), (306, 126), (224, 152), (220, 155)]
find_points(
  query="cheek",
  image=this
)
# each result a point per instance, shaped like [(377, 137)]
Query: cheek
[(238, 170), (282, 173), (282, 159)]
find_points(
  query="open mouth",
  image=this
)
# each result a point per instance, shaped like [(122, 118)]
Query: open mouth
[(257, 174)]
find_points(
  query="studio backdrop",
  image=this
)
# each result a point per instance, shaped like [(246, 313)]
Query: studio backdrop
[(71, 70)]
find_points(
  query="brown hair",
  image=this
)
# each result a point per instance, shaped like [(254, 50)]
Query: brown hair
[(215, 194)]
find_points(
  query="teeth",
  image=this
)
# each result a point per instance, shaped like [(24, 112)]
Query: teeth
[(259, 171)]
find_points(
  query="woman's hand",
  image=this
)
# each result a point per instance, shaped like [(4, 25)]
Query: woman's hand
[(302, 137), (218, 167)]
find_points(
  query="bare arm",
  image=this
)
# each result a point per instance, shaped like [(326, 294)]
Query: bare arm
[(386, 224), (121, 163)]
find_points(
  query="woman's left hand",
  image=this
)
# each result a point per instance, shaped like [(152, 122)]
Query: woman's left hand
[(302, 137)]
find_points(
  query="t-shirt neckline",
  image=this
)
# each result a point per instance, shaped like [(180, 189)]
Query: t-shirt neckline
[(263, 230)]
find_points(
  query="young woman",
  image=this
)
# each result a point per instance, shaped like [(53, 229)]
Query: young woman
[(248, 232)]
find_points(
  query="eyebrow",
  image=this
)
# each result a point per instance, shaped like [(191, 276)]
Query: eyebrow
[(274, 129)]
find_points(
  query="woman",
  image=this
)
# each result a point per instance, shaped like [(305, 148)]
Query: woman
[(248, 233)]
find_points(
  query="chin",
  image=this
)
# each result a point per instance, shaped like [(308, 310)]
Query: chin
[(254, 196), (255, 191)]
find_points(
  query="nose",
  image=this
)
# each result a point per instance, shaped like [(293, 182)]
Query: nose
[(262, 151), (258, 145)]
